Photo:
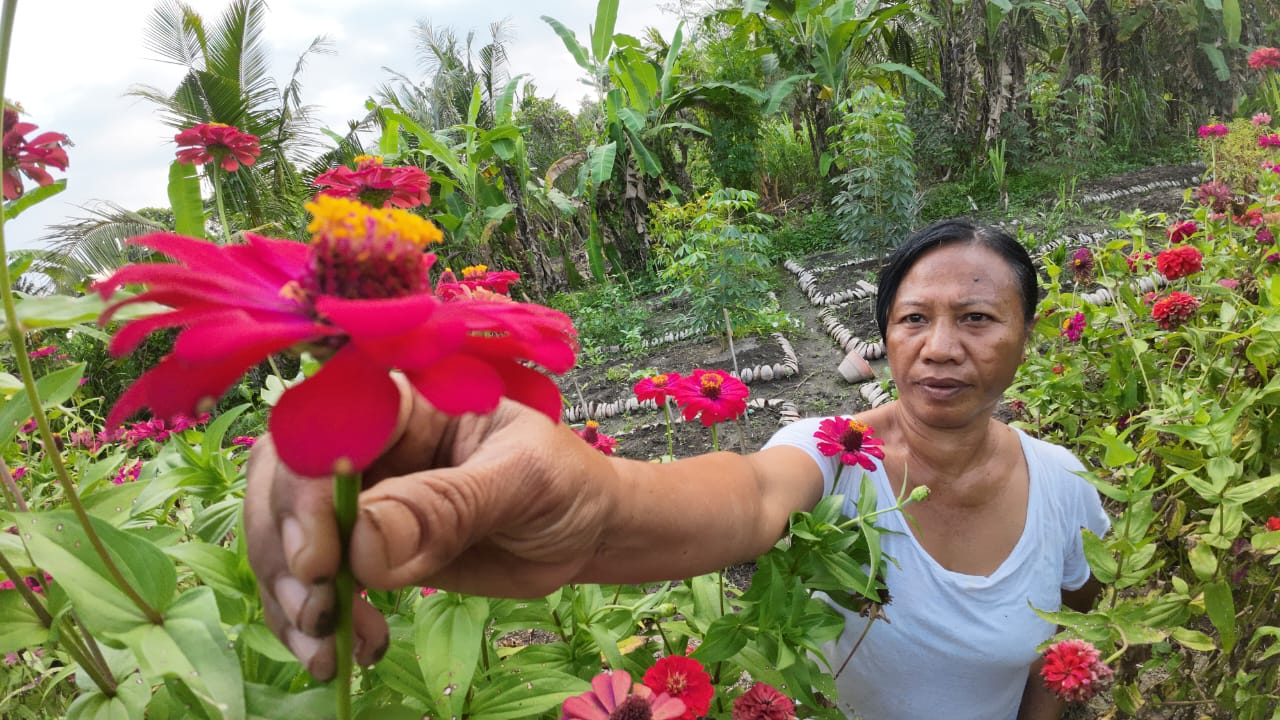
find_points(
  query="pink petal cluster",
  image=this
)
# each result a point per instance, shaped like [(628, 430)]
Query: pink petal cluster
[(1264, 57), (1073, 327), (851, 440), (614, 697), (129, 472), (684, 679), (1214, 130), (1216, 194), (656, 387), (1181, 231), (763, 702), (1173, 310), (30, 581), (28, 157), (1261, 119), (43, 352), (377, 185), (1272, 140), (596, 439), (1264, 237), (1179, 262), (1081, 264), (1139, 261), (1073, 670), (476, 279), (227, 145), (712, 396)]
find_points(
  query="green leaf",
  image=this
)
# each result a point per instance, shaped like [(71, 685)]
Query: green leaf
[(447, 635), (9, 384), (648, 161), (129, 703), (723, 640), (184, 198), (599, 164), (1221, 609), (264, 702), (1203, 562), (59, 545), (1193, 639), (1250, 491), (669, 62), (1217, 59), (602, 32), (389, 143), (907, 70), (52, 389), (528, 694), (19, 626), (62, 311), (38, 195), (217, 567), (1101, 560), (571, 42)]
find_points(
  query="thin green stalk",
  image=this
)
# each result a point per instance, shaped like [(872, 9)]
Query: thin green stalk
[(19, 342), (666, 409), (346, 496), (215, 177), (715, 439)]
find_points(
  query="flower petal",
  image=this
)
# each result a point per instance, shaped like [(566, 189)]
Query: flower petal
[(235, 331), (347, 410), (459, 384)]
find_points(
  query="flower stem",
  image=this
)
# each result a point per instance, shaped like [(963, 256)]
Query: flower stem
[(215, 177), (19, 342), (715, 438), (346, 496), (666, 408)]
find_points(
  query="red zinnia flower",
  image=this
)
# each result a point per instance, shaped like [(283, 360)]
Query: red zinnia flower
[(717, 395), (685, 679), (1216, 194), (1073, 671), (1179, 262), (1265, 57), (613, 697), (851, 439), (227, 145), (1214, 130), (596, 439), (28, 157), (477, 280), (1073, 327), (1138, 262), (1273, 523), (376, 185), (1171, 311), (360, 292), (1178, 232), (763, 702), (657, 388)]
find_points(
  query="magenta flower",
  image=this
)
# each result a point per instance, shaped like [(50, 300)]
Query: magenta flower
[(614, 697), (28, 157), (1073, 670), (1264, 236), (376, 185), (850, 439), (226, 145), (1272, 140), (713, 396), (1181, 231), (596, 439), (1214, 130), (1261, 119), (656, 388), (477, 280), (1264, 57), (1073, 327), (1082, 265), (358, 295)]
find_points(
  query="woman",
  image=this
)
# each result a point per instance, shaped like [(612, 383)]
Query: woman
[(509, 504)]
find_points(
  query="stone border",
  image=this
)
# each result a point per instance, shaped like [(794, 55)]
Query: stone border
[(844, 337), (874, 394), (789, 366), (1146, 187), (809, 284)]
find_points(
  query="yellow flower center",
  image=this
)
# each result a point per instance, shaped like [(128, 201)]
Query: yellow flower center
[(474, 272), (857, 426), (359, 251), (368, 159)]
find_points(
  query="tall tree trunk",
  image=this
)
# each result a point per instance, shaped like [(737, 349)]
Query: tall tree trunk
[(958, 67), (532, 258)]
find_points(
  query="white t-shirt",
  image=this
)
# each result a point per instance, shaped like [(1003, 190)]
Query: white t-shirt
[(959, 645)]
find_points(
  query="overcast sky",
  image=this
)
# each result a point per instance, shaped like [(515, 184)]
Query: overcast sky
[(73, 61)]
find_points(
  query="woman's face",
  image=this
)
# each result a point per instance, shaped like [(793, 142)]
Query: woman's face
[(956, 335)]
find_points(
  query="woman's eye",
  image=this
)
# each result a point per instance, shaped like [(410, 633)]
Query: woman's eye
[(976, 317), (913, 318)]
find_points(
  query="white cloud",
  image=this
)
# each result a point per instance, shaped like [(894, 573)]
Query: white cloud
[(73, 62)]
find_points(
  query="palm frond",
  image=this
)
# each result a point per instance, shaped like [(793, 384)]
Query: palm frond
[(90, 246), (175, 32)]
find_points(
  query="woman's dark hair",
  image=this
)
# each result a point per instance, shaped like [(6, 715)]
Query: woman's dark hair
[(949, 232)]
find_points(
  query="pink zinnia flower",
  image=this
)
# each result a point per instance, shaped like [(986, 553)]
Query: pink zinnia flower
[(1139, 262), (685, 679), (1229, 284), (19, 472), (596, 439), (1179, 262), (1216, 194), (360, 292), (1264, 237), (851, 439), (656, 388), (763, 702), (224, 144), (613, 697), (1178, 232), (428, 592), (1273, 257), (28, 157), (711, 395), (1073, 327), (43, 352), (1073, 670), (376, 185), (1273, 523), (1173, 310), (477, 280), (1261, 119), (244, 441), (128, 473), (1272, 140), (1082, 265), (1264, 57), (1214, 130)]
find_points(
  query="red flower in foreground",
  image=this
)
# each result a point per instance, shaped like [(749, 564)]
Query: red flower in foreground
[(360, 293), (613, 697), (1273, 523), (851, 439), (763, 702), (717, 395), (29, 157), (1264, 57), (1171, 312), (685, 679), (1179, 262), (227, 145), (596, 439), (1073, 671), (376, 185), (656, 388), (1179, 232)]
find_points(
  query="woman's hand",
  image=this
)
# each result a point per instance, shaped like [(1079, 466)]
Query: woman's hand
[(496, 505)]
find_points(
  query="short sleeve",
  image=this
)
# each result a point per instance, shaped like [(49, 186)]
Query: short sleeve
[(1084, 511), (799, 434)]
